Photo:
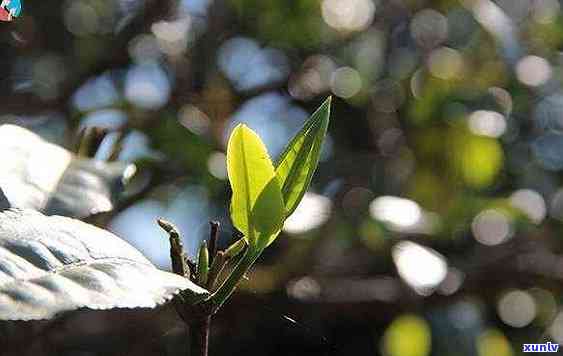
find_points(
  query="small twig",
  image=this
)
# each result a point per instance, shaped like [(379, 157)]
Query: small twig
[(177, 254), (89, 141), (117, 147), (213, 238), (199, 336), (192, 267), (206, 275)]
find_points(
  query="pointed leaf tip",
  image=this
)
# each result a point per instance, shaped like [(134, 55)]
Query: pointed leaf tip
[(300, 159)]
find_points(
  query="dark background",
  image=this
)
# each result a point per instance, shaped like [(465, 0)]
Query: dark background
[(433, 224)]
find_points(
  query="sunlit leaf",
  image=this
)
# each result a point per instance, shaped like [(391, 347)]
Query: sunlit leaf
[(298, 162), (45, 177), (50, 265), (257, 208)]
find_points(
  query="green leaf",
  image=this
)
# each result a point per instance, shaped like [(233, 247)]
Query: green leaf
[(298, 162), (257, 208)]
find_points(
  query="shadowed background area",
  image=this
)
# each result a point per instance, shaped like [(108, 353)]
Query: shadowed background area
[(434, 222)]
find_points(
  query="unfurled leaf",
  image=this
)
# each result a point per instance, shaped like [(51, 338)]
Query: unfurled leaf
[(257, 208), (50, 265), (298, 162), (42, 176)]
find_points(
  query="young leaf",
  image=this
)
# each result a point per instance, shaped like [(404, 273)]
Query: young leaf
[(53, 264), (300, 158), (257, 208)]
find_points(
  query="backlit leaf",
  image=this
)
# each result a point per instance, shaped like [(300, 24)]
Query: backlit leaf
[(298, 162), (50, 265), (257, 208)]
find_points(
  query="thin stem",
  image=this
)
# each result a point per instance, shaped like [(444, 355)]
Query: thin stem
[(177, 254), (199, 336), (89, 141), (213, 239), (117, 147), (218, 298)]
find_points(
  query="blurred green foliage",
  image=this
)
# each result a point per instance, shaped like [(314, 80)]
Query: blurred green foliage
[(299, 19)]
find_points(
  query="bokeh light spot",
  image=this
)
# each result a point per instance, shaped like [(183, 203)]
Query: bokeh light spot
[(349, 15), (517, 308), (194, 119), (217, 165), (491, 227), (556, 205), (147, 86), (81, 18), (312, 212), (556, 328), (481, 160), (487, 123), (346, 82), (408, 335), (400, 212), (313, 78), (533, 71), (445, 63), (530, 203), (172, 36), (420, 267), (429, 28), (248, 66), (305, 288), (492, 342), (453, 281)]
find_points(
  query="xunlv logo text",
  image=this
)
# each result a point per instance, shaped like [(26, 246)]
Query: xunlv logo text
[(547, 347)]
